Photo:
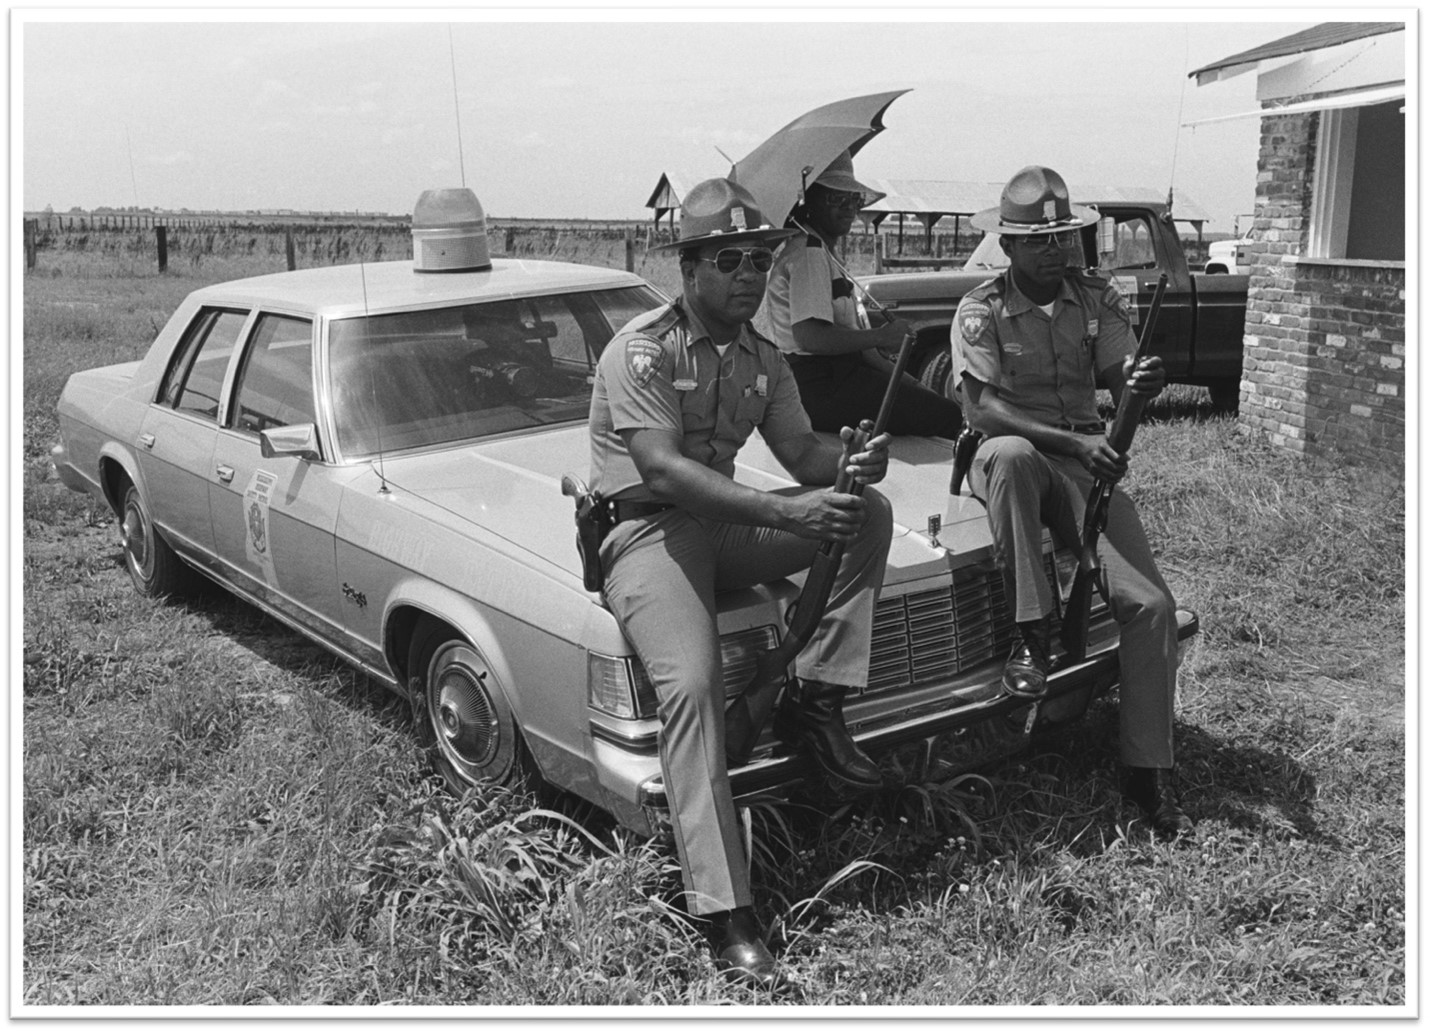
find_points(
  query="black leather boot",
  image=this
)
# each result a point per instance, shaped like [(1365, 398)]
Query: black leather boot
[(814, 723), (1155, 792), (740, 952), (1025, 674)]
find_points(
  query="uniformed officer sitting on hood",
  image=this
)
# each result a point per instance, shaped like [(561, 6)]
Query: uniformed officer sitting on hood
[(1029, 345), (677, 392)]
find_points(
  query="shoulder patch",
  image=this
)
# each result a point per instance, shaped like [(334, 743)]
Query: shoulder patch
[(643, 359), (973, 318)]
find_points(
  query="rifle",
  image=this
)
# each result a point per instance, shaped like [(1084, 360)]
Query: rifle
[(747, 712), (1094, 520)]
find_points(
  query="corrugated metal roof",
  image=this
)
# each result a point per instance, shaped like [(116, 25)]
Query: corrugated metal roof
[(943, 197), (1318, 37)]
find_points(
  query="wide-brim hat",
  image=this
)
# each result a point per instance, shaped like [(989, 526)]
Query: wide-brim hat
[(722, 211), (1034, 201), (840, 176)]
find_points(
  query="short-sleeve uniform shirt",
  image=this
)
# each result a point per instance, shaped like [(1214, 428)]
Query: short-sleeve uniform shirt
[(1045, 365), (662, 371), (805, 284)]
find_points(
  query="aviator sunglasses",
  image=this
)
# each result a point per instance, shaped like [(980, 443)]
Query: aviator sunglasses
[(1042, 241), (728, 259)]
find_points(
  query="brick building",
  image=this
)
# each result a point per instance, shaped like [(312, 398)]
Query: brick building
[(1325, 340)]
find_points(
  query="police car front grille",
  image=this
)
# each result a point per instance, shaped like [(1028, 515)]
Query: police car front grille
[(935, 635)]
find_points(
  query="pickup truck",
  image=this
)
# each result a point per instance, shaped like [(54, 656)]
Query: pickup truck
[(1199, 330), (1225, 256)]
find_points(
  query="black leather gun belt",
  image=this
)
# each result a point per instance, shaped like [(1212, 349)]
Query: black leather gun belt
[(627, 510)]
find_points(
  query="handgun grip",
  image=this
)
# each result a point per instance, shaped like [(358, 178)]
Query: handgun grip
[(572, 486)]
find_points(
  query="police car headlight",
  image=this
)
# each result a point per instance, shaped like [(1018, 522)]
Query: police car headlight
[(738, 652), (618, 685)]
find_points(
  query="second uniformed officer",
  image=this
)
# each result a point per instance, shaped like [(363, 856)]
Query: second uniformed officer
[(1029, 345), (677, 392)]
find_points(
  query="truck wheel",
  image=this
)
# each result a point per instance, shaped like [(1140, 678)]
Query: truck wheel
[(1225, 394), (462, 715), (936, 372), (152, 564)]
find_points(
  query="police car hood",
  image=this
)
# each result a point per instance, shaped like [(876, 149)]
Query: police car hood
[(510, 489)]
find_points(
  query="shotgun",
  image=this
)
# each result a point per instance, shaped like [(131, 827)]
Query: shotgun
[(747, 712), (1094, 520)]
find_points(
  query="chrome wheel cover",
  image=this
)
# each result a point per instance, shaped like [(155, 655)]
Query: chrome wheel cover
[(464, 718), (137, 537)]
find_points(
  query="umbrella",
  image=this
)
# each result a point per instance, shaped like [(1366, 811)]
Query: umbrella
[(777, 171)]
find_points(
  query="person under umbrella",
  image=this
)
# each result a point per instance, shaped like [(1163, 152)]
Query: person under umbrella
[(813, 316)]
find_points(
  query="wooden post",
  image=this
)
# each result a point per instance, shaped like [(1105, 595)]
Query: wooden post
[(161, 237), (30, 226), (288, 248), (879, 254), (630, 248), (510, 241)]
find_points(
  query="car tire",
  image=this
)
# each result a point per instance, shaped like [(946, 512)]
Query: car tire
[(153, 567), (936, 372), (462, 714), (1225, 395)]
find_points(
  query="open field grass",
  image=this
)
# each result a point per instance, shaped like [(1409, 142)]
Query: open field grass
[(216, 813)]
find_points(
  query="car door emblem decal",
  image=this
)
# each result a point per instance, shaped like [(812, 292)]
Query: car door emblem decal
[(258, 541)]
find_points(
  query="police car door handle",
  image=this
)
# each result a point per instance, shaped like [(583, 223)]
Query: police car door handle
[(146, 440), (225, 473)]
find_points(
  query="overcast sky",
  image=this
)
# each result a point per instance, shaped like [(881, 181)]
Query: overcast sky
[(579, 119)]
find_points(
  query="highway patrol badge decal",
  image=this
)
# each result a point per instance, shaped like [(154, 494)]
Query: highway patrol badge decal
[(973, 320), (642, 359)]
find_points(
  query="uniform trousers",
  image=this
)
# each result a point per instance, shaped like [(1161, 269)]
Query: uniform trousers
[(838, 388), (662, 573), (1025, 490)]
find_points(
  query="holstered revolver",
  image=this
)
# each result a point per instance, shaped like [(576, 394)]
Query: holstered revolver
[(963, 449), (593, 522)]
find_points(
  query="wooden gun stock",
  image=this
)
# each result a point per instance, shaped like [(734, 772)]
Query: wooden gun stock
[(1089, 576)]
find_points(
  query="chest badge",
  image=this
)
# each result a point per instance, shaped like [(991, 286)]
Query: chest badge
[(762, 385)]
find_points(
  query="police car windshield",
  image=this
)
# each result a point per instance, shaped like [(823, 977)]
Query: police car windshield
[(442, 376)]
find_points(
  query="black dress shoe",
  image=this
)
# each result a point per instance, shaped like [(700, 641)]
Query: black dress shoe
[(814, 723), (1155, 792), (1025, 674), (740, 952)]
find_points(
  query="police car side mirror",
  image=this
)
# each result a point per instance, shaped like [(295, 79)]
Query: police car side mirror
[(300, 441)]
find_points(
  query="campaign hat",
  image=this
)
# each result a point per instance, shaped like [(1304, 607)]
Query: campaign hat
[(1034, 201), (722, 211), (840, 176)]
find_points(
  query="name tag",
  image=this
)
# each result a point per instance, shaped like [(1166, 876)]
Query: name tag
[(685, 384)]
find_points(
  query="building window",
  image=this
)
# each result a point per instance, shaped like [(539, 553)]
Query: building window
[(1358, 203)]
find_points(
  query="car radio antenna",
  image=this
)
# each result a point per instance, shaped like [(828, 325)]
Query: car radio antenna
[(456, 104), (1177, 137), (372, 380)]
